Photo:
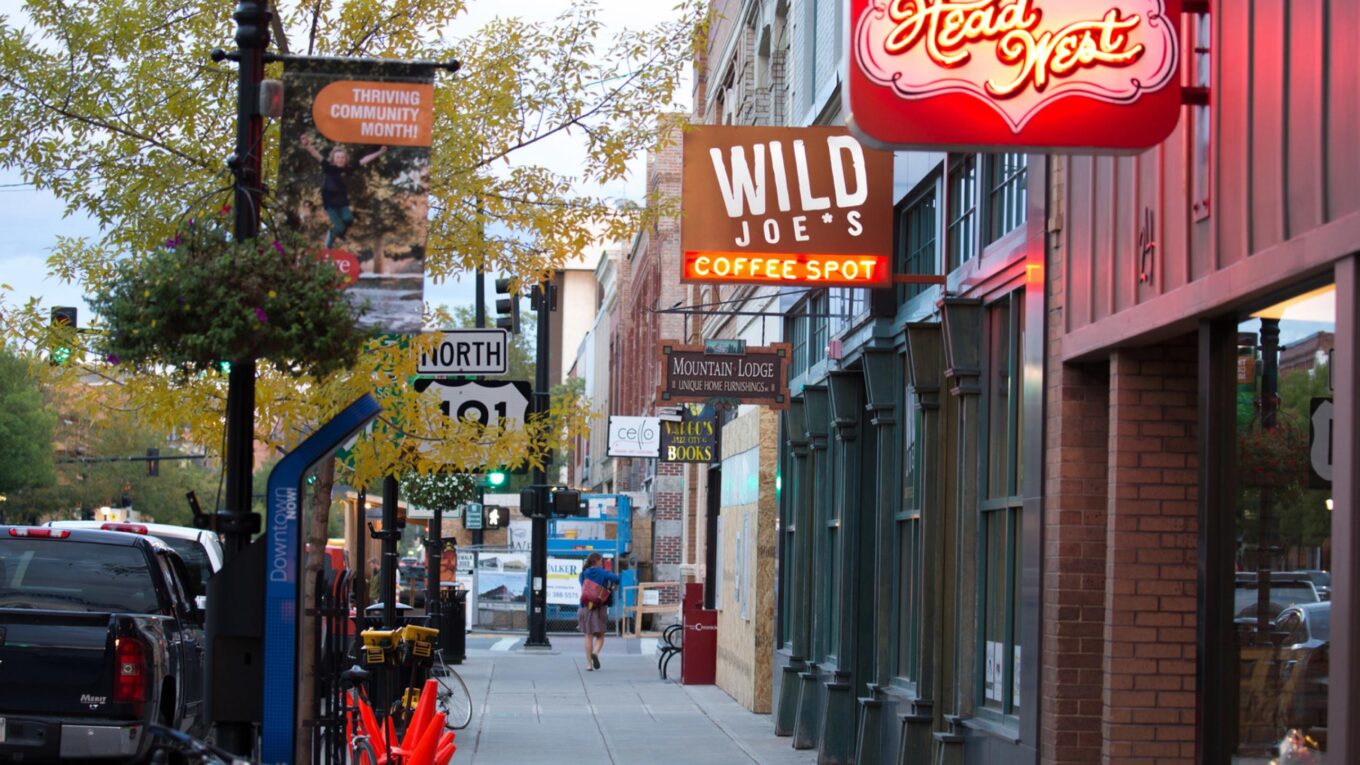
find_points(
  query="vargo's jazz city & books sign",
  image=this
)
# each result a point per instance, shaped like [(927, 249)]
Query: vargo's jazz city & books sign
[(1036, 74)]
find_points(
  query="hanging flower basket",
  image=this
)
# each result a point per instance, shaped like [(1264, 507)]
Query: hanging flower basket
[(1272, 457), (200, 299)]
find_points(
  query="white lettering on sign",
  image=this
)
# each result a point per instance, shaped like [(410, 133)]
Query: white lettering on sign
[(280, 568), (743, 185)]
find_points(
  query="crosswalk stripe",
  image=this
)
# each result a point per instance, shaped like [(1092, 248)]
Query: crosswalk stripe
[(505, 644)]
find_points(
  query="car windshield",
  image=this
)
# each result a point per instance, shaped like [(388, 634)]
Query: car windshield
[(65, 575), (1282, 595), (195, 559)]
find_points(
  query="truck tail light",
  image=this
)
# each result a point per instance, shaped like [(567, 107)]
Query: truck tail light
[(23, 531), (130, 671), (130, 528)]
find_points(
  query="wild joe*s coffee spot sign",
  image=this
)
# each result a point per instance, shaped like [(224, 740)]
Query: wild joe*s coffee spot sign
[(1036, 74), (759, 376), (785, 206)]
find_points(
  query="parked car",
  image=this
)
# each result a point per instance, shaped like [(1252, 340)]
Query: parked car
[(99, 637), (1322, 581), (1284, 589), (1306, 633), (199, 549)]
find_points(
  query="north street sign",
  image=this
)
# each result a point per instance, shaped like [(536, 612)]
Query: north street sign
[(482, 401), (467, 352)]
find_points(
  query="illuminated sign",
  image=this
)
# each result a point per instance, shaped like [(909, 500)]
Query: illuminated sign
[(792, 206), (1040, 74), (829, 270)]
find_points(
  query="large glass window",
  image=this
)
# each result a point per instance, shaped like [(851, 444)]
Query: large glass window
[(910, 563), (1007, 193), (963, 196), (999, 538), (797, 328), (1282, 564), (917, 239)]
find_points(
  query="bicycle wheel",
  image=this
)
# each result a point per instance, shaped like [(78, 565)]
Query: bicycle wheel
[(361, 752), (454, 700)]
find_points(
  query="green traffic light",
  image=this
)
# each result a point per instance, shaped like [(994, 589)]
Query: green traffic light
[(61, 355), (496, 478)]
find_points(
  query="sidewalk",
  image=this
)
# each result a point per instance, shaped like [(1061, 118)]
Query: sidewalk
[(543, 707)]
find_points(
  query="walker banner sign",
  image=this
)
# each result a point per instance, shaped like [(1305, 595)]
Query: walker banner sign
[(354, 167), (564, 588), (786, 206), (1034, 74), (634, 436), (759, 376)]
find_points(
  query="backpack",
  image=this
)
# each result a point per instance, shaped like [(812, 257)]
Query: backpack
[(594, 594)]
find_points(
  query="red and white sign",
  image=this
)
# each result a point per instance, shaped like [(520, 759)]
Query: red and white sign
[(1032, 74)]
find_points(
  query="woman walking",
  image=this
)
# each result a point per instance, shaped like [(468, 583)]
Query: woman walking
[(597, 589)]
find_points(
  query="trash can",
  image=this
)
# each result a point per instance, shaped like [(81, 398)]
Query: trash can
[(453, 625), (699, 647)]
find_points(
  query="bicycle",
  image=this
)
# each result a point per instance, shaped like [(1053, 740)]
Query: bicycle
[(168, 741), (454, 699)]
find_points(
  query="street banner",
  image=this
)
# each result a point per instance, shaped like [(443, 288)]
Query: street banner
[(693, 439), (758, 376), (797, 207), (354, 167), (502, 581), (633, 436), (564, 588)]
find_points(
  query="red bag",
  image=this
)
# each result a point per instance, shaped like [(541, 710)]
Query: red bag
[(594, 594)]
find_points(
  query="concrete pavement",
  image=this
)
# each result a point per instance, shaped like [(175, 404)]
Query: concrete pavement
[(534, 706)]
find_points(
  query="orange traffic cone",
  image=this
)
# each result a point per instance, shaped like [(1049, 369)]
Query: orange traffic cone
[(429, 741), (421, 717)]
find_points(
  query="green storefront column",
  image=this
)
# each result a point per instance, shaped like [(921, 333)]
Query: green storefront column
[(925, 371), (800, 499), (807, 724), (963, 368), (883, 380), (846, 608)]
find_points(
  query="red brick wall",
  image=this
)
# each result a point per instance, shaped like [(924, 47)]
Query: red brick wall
[(1075, 508), (1151, 533)]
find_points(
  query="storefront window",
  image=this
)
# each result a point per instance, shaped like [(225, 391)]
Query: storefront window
[(909, 552), (918, 241), (1007, 193), (962, 232), (998, 655), (1282, 563)]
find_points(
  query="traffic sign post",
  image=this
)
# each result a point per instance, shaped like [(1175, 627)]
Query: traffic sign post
[(472, 516), (500, 402), (467, 352)]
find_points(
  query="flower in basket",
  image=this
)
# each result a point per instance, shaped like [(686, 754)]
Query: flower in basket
[(1276, 456), (203, 298)]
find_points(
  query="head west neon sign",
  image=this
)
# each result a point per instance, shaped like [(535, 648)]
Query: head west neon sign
[(1031, 73)]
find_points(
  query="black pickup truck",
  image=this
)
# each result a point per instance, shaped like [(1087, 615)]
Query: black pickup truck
[(98, 638)]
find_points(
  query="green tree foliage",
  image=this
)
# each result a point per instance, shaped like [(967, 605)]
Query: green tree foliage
[(98, 479), (25, 427)]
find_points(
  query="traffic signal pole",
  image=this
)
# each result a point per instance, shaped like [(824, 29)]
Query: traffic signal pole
[(236, 523), (538, 555), (479, 320)]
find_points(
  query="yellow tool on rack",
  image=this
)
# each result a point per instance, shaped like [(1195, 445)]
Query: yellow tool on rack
[(379, 644), (420, 640)]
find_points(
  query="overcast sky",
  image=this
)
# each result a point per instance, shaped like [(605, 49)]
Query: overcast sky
[(30, 219)]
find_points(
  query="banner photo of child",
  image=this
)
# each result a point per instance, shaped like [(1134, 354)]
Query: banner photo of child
[(354, 170)]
